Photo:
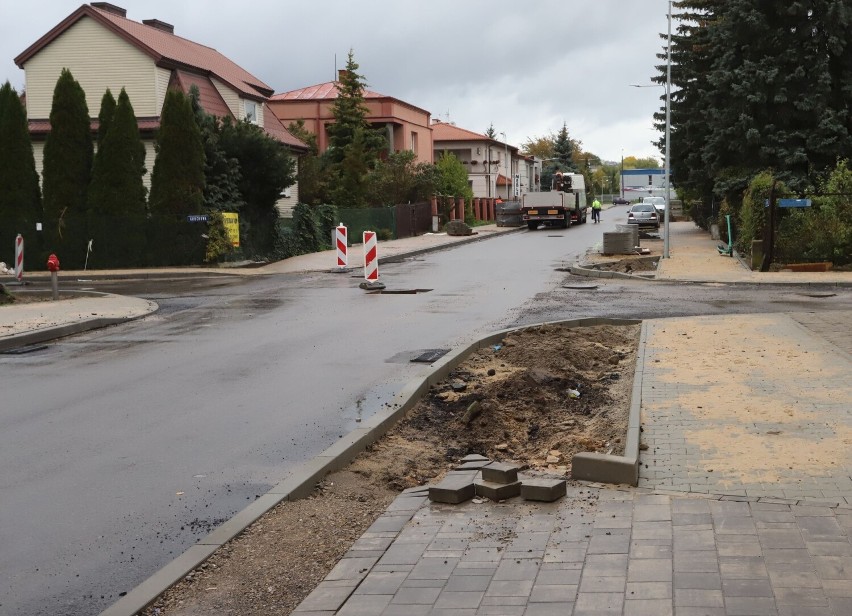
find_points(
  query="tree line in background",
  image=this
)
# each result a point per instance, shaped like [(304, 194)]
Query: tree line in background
[(203, 166), (761, 93)]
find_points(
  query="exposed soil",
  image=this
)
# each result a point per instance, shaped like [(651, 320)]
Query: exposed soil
[(528, 414), (628, 266)]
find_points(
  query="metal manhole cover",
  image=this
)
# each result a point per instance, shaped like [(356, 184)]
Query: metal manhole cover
[(431, 355)]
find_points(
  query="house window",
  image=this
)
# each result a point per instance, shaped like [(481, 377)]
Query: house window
[(251, 112), (414, 141)]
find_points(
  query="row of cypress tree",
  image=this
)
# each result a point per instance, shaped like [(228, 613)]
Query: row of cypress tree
[(91, 192)]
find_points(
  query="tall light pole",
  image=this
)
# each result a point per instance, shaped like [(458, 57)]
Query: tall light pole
[(508, 171), (668, 134), (667, 163)]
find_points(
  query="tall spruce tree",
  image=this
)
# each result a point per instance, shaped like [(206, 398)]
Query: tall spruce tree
[(221, 173), (267, 169), (350, 113), (177, 183), (68, 153), (20, 199), (117, 188), (105, 116), (765, 85)]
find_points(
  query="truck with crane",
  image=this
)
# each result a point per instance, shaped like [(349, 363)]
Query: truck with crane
[(563, 205)]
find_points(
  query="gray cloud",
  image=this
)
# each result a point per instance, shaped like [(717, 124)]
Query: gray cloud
[(524, 67)]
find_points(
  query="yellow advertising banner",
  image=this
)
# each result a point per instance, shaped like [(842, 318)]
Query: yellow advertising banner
[(232, 227)]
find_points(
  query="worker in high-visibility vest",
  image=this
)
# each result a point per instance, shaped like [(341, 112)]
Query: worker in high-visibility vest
[(596, 211)]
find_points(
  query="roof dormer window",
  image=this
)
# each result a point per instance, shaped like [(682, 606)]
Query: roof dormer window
[(251, 112)]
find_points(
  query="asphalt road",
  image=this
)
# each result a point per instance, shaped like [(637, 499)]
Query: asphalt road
[(122, 447)]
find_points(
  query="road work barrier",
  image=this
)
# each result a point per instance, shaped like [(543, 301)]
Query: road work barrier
[(342, 246), (19, 257), (371, 252)]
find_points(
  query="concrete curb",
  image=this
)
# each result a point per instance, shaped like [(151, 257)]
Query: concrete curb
[(604, 468), (49, 334), (303, 480), (421, 251), (589, 272)]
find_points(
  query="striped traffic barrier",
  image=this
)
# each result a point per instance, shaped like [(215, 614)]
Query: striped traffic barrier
[(371, 262), (342, 247), (19, 257)]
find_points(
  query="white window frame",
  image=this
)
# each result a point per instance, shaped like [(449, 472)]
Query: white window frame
[(248, 116)]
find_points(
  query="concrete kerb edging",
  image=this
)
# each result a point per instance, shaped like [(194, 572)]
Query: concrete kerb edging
[(422, 251), (605, 468), (588, 272), (302, 482)]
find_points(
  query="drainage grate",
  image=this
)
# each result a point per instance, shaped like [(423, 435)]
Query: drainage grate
[(24, 349), (431, 355)]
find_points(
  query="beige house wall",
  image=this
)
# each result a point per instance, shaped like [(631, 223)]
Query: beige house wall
[(150, 155), (98, 59), (231, 98), (164, 77)]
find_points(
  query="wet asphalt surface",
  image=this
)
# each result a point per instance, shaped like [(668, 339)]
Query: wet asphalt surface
[(129, 444)]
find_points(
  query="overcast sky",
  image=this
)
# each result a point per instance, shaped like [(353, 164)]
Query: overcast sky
[(524, 67)]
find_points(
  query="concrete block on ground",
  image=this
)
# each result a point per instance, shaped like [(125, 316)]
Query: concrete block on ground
[(475, 457), (453, 490), (592, 466), (473, 465), (546, 490), (497, 491), (500, 472)]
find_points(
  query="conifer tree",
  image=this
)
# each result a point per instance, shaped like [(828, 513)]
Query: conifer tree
[(177, 183), (117, 188), (20, 199), (105, 116), (68, 152), (221, 174), (350, 113)]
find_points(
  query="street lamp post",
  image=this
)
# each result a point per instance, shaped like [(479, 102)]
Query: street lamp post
[(667, 163), (668, 134)]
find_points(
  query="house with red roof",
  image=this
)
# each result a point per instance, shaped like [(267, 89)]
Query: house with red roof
[(494, 168), (104, 49), (407, 127)]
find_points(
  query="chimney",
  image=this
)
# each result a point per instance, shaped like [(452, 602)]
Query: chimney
[(110, 8), (159, 25), (341, 73)]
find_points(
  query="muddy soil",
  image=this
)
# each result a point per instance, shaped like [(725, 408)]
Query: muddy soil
[(514, 401)]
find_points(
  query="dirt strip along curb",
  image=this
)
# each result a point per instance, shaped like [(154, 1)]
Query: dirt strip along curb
[(302, 481)]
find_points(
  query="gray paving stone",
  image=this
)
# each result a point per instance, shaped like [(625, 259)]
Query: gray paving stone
[(792, 575), (467, 583), (365, 605), (599, 603), (596, 583), (705, 580), (433, 569), (549, 609), (416, 596), (648, 607), (650, 570), (555, 577), (801, 597), (750, 606), (381, 583), (746, 588), (553, 593), (693, 597), (509, 588), (453, 600)]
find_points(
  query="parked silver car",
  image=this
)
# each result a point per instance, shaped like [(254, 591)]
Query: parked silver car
[(645, 215), (659, 203)]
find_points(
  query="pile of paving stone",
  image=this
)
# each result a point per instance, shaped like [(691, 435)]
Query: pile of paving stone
[(479, 476)]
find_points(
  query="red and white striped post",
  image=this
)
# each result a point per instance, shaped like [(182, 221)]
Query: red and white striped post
[(19, 257), (371, 262), (342, 246)]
